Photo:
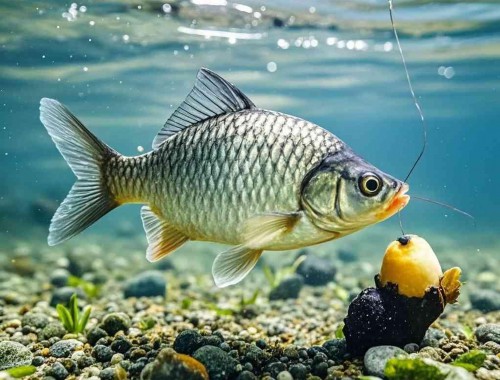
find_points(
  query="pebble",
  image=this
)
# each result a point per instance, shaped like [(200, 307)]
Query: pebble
[(488, 332), (298, 371), (37, 320), (316, 270), (107, 374), (411, 348), (115, 322), (219, 364), (102, 353), (13, 354), (246, 375), (62, 295), (432, 337), (284, 375), (59, 277), (485, 300), (95, 334), (290, 287), (188, 341), (53, 329), (64, 348), (171, 365), (58, 371), (376, 358), (336, 349), (147, 284)]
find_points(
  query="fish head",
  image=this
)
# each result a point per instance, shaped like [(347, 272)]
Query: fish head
[(344, 193)]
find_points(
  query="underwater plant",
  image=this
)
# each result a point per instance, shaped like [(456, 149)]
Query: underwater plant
[(90, 289), (70, 316), (411, 293), (147, 323), (275, 276)]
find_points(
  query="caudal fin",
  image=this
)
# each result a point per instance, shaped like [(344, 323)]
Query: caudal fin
[(88, 199)]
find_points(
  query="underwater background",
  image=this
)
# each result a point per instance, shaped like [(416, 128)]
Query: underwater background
[(122, 67)]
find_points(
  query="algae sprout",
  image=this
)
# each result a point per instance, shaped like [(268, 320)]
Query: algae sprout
[(275, 276), (70, 316)]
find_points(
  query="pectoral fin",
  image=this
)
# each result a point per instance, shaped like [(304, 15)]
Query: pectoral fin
[(162, 237), (262, 229), (232, 266)]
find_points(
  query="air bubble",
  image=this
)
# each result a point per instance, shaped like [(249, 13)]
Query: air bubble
[(272, 67), (140, 148)]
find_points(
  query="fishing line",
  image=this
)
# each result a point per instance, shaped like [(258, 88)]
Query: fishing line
[(424, 128), (410, 85), (447, 206), (415, 101)]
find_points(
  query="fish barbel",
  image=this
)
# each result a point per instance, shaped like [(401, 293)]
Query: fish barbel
[(223, 170)]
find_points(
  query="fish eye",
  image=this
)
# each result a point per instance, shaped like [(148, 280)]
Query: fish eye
[(370, 185)]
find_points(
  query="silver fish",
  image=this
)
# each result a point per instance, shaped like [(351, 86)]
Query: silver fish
[(223, 170)]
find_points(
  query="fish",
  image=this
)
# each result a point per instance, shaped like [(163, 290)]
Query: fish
[(223, 170)]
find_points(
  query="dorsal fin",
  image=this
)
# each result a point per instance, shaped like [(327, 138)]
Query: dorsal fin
[(211, 96)]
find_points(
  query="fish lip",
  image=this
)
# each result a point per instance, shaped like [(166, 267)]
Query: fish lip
[(398, 202)]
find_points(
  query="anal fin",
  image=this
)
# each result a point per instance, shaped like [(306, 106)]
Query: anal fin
[(232, 266), (162, 237)]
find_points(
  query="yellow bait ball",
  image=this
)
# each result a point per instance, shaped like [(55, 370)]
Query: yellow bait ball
[(413, 266)]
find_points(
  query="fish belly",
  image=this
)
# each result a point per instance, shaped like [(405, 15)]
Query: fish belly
[(213, 176)]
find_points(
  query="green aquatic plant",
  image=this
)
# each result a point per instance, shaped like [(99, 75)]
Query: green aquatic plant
[(275, 276), (90, 289), (22, 371), (471, 360), (186, 303), (147, 323), (410, 369), (339, 332), (238, 308), (70, 316)]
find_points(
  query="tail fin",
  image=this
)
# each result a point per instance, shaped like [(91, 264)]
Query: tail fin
[(88, 199)]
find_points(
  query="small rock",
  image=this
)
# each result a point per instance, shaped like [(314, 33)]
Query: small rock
[(13, 354), (284, 375), (102, 353), (347, 256), (59, 277), (64, 348), (376, 358), (432, 337), (298, 371), (146, 284), (95, 334), (171, 365), (58, 371), (37, 320), (188, 341), (316, 270), (336, 349), (62, 295), (485, 300), (255, 355), (53, 329), (115, 322), (488, 332), (411, 348), (107, 374), (121, 345), (246, 375), (219, 364), (288, 288)]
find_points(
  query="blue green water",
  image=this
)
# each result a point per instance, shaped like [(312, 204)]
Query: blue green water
[(123, 66)]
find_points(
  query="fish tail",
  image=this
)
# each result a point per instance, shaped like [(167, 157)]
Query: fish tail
[(89, 199)]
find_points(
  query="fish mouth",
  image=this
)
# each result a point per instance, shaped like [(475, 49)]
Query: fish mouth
[(399, 201)]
